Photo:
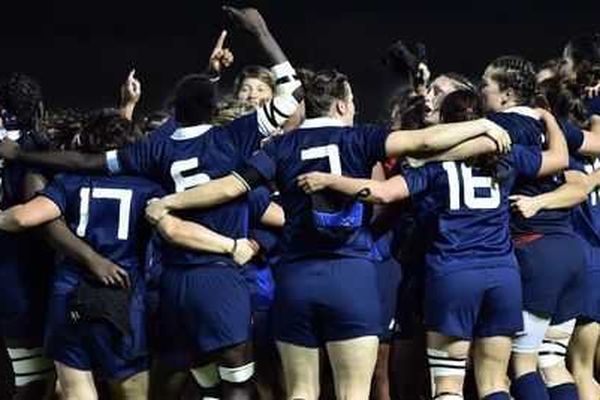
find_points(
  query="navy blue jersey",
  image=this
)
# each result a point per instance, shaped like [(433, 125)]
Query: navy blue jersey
[(593, 106), (193, 156), (525, 129), (108, 213), (26, 262), (473, 211), (319, 145)]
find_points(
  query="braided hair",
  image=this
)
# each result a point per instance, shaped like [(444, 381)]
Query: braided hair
[(517, 74)]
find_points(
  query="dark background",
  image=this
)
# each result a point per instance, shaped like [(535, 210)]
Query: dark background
[(82, 50)]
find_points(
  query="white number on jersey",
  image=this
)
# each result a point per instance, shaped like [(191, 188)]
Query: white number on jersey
[(123, 196), (589, 169), (468, 190), (182, 183), (331, 152)]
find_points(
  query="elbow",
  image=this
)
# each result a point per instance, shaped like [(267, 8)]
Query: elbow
[(382, 196)]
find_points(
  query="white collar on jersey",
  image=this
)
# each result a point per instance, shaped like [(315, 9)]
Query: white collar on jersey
[(526, 111), (321, 122), (190, 132)]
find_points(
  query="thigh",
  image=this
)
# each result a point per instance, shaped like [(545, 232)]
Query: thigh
[(75, 383), (301, 370)]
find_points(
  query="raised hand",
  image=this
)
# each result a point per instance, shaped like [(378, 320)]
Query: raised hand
[(221, 57), (248, 19), (313, 181), (131, 90)]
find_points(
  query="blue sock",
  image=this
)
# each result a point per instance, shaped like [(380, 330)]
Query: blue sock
[(497, 396), (529, 387), (566, 391)]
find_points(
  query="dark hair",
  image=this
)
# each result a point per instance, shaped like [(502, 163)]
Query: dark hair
[(195, 100), (406, 109), (21, 95), (585, 52), (563, 100), (256, 72), (461, 105), (517, 74), (321, 90), (106, 129)]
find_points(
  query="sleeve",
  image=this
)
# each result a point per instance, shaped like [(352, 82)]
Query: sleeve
[(260, 168), (372, 139), (527, 160), (56, 192), (417, 179), (273, 114), (573, 136), (258, 202), (137, 158)]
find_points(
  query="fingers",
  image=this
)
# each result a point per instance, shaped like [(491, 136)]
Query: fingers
[(131, 75), (515, 197), (122, 278), (220, 41), (232, 12)]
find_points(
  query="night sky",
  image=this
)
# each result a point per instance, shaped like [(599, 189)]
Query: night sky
[(81, 50)]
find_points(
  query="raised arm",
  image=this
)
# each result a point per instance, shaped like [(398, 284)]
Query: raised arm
[(568, 195), (131, 91), (194, 236), (380, 192), (442, 137)]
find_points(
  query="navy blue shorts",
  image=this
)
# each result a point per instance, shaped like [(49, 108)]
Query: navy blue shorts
[(409, 306), (591, 306), (96, 346), (552, 275), (202, 309), (474, 303), (319, 301), (388, 285)]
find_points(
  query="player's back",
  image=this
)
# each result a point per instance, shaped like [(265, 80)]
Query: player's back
[(320, 145), (472, 204), (192, 156), (108, 213), (525, 128)]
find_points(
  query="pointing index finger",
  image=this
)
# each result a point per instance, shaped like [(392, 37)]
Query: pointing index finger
[(220, 41)]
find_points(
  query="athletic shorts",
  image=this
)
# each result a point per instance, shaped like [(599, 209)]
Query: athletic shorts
[(202, 309), (388, 285), (319, 301), (552, 275), (474, 303), (97, 346), (591, 294)]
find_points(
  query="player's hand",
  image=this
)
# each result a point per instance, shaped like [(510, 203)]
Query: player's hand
[(155, 211), (221, 57), (131, 90), (314, 181), (109, 273), (525, 205), (9, 150), (248, 19), (500, 136), (592, 91), (245, 250)]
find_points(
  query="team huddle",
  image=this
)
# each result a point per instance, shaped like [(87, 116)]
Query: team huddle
[(261, 245)]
